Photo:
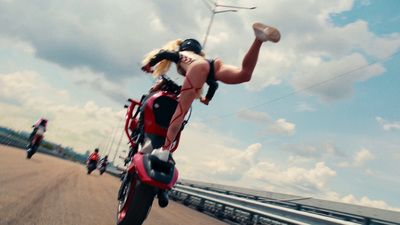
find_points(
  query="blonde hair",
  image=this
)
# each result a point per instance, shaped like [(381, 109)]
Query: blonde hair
[(163, 66)]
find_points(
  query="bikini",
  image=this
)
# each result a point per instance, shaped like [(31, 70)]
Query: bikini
[(182, 60)]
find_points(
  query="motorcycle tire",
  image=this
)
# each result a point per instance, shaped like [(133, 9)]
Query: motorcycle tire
[(33, 148), (91, 167), (30, 153), (136, 203)]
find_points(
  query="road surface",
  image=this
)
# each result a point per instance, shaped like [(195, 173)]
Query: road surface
[(47, 190)]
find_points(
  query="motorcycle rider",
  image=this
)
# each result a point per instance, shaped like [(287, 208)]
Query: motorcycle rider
[(93, 158), (39, 128), (189, 59), (104, 161)]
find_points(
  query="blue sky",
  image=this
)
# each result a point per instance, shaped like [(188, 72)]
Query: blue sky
[(319, 117)]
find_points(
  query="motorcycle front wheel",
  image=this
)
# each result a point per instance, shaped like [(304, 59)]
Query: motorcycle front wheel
[(135, 202), (32, 150)]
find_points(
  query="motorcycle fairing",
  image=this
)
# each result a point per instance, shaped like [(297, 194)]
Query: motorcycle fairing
[(154, 172), (158, 112)]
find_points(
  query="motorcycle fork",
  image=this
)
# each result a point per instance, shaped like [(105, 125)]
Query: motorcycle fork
[(125, 182)]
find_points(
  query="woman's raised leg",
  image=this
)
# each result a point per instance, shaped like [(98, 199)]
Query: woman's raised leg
[(234, 75)]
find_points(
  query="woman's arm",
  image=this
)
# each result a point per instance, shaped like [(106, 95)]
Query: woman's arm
[(212, 87), (168, 55)]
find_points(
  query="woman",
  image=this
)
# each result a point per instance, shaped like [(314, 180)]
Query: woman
[(189, 59), (39, 128)]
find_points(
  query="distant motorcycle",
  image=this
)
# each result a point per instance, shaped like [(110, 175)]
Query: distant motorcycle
[(35, 141), (92, 163), (145, 176), (103, 167)]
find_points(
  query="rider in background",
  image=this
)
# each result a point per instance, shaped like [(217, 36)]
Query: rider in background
[(94, 157), (39, 128), (104, 161), (189, 59)]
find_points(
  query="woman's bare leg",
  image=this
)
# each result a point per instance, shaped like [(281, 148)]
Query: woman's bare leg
[(195, 78), (234, 75)]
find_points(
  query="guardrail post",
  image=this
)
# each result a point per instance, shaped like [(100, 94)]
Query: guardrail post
[(200, 207), (220, 213), (251, 218), (257, 219), (186, 201), (366, 221)]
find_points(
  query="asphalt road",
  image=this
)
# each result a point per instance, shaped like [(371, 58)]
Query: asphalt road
[(46, 190)]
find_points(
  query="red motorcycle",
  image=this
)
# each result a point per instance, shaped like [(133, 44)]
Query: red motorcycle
[(91, 164), (145, 175), (36, 137), (103, 165)]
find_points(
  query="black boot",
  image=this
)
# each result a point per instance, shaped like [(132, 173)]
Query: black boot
[(162, 198)]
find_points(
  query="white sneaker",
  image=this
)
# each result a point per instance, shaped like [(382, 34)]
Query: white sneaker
[(162, 155), (266, 33)]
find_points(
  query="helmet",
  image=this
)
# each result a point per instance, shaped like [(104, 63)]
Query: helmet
[(190, 45), (96, 150), (106, 156)]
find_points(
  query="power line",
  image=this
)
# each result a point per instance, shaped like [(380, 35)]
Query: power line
[(307, 88)]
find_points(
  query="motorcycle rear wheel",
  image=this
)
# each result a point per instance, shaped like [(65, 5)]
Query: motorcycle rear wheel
[(90, 168), (136, 203), (30, 153)]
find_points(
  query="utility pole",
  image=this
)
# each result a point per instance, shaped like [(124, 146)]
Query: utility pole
[(214, 11)]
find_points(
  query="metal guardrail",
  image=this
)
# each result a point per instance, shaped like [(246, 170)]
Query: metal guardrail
[(256, 211), (7, 139), (228, 203)]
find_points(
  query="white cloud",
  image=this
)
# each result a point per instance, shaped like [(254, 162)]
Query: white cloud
[(278, 127), (365, 201), (304, 107), (18, 85), (82, 127), (205, 154), (313, 150), (157, 24), (387, 125), (281, 127), (359, 159), (334, 80), (294, 180), (268, 71), (382, 47), (246, 114), (29, 86), (396, 156), (234, 163)]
